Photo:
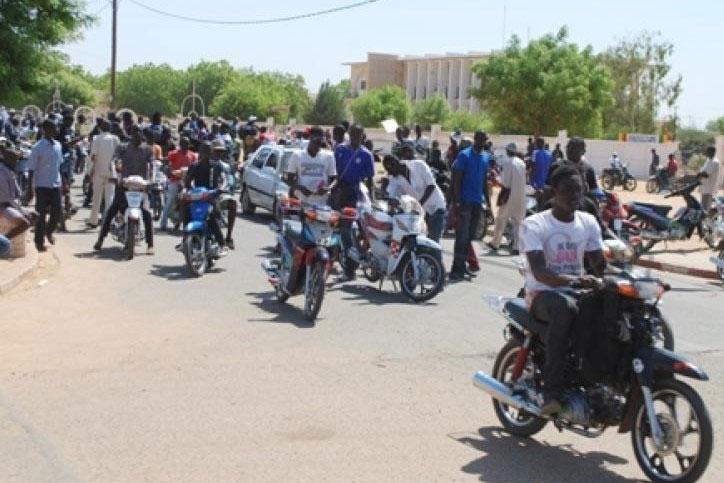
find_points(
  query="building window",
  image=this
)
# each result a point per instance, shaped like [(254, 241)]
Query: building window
[(457, 92), (424, 92), (445, 91), (414, 92), (363, 85)]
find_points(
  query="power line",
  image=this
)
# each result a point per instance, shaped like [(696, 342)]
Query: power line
[(257, 21)]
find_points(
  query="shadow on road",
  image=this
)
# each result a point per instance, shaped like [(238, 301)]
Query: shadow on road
[(282, 313), (370, 295), (178, 272), (116, 253), (509, 458)]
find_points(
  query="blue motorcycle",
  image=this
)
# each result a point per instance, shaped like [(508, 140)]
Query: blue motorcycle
[(200, 248)]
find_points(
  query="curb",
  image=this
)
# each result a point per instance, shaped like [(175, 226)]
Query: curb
[(681, 270), (7, 285)]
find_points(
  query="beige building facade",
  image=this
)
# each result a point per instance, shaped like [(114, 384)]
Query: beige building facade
[(449, 75)]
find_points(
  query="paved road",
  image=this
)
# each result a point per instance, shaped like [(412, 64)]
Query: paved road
[(130, 371)]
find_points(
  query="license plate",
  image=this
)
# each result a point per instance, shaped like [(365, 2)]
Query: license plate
[(134, 199)]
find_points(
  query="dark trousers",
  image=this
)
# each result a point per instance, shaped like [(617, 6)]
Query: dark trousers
[(468, 219), (47, 200), (559, 311), (119, 205)]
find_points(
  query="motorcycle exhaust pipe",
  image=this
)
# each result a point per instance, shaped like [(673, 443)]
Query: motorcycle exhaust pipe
[(501, 392)]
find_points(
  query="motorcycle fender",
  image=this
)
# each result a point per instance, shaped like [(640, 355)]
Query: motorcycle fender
[(424, 241), (194, 226), (654, 361), (409, 245), (134, 214)]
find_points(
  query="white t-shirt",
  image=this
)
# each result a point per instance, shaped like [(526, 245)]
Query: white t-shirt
[(312, 172), (563, 244), (710, 185), (420, 178)]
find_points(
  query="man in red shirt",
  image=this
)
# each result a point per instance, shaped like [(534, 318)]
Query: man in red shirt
[(178, 162)]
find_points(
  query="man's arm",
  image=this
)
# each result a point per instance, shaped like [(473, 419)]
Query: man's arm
[(597, 262)]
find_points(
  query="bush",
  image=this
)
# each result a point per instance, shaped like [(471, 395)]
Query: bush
[(467, 122), (389, 102), (433, 110)]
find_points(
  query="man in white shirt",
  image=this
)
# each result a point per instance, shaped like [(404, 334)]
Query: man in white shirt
[(709, 176), (413, 177), (511, 199), (103, 150), (555, 243), (311, 171)]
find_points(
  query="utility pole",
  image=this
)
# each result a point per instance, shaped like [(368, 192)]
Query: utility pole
[(113, 54)]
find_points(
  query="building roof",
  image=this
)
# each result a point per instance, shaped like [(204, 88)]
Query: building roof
[(447, 55)]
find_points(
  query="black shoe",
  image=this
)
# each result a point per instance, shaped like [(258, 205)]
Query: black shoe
[(456, 276), (97, 247), (40, 248), (230, 244), (50, 238)]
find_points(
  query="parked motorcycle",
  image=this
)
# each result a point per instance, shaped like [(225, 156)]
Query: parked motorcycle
[(199, 246), (304, 264), (128, 228), (617, 377), (612, 177), (393, 246), (655, 226)]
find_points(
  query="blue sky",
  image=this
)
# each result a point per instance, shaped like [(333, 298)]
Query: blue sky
[(317, 47)]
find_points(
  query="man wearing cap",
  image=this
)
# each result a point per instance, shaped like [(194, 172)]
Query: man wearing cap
[(44, 167), (136, 160), (511, 199)]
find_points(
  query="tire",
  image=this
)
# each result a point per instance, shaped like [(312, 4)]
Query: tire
[(131, 231), (608, 182), (195, 253), (526, 425), (630, 184), (664, 336), (482, 228), (672, 389), (652, 186), (313, 299), (405, 275), (707, 232), (281, 295), (247, 207)]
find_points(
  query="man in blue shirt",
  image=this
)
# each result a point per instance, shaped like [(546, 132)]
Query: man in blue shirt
[(354, 165), (44, 166), (470, 173), (542, 160)]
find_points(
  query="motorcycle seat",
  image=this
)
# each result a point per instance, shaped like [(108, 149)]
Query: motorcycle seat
[(662, 210), (518, 311)]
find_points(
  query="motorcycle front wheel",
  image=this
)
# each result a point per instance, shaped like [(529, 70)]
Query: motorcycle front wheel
[(131, 231), (515, 421), (431, 275), (195, 253), (652, 186), (630, 184), (687, 434), (314, 297)]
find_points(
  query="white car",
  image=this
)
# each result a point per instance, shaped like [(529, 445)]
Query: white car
[(262, 179)]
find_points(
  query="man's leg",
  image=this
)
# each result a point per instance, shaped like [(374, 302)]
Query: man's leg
[(56, 213), (500, 222), (110, 213), (89, 196), (516, 219), (216, 229), (560, 312), (41, 206), (462, 239), (109, 190), (148, 227), (97, 197), (435, 225), (475, 213), (171, 193), (231, 208)]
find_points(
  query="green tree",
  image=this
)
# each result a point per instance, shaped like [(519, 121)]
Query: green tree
[(380, 104), (548, 85), (150, 88), (248, 95), (639, 68), (73, 82), (29, 29), (433, 110), (328, 108), (467, 121), (716, 125), (210, 78)]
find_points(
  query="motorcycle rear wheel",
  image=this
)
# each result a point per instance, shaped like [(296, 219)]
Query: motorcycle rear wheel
[(652, 186), (630, 184), (195, 254), (517, 423), (653, 461), (313, 299), (608, 182)]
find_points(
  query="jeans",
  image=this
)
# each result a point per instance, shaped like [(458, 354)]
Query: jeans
[(46, 200), (559, 310), (435, 225), (4, 245), (119, 205), (468, 219), (171, 194)]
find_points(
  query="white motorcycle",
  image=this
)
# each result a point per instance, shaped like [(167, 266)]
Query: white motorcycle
[(392, 244), (128, 229)]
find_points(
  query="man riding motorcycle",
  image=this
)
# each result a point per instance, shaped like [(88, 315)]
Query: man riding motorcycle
[(555, 242), (179, 160), (209, 173), (312, 171)]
